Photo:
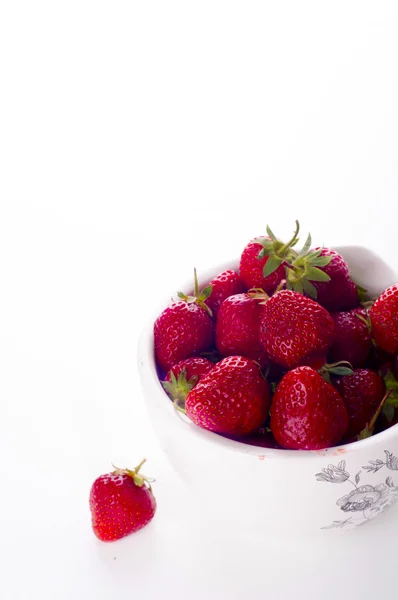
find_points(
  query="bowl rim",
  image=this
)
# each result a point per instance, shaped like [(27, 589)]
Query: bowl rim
[(151, 383)]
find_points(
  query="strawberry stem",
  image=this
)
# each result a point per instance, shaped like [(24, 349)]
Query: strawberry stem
[(341, 368), (368, 431), (293, 240), (198, 297), (258, 294), (196, 284), (138, 479), (140, 465), (281, 286)]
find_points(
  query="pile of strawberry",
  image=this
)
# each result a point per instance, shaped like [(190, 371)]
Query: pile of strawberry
[(288, 352)]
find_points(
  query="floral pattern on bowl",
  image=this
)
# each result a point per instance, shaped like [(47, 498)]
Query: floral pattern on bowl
[(365, 500)]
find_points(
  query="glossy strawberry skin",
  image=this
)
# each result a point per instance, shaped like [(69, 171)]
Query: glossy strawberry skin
[(384, 319), (295, 330), (251, 270), (340, 293), (362, 394), (233, 399), (195, 366), (307, 413), (237, 328), (224, 285), (182, 330), (352, 340), (119, 507)]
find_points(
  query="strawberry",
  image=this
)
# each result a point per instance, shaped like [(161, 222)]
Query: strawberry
[(237, 328), (340, 293), (121, 502), (224, 285), (183, 329), (307, 413), (295, 330), (323, 275), (384, 319), (183, 376), (262, 264), (232, 399), (362, 393), (352, 341)]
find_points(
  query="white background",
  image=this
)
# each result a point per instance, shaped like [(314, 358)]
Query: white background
[(138, 139)]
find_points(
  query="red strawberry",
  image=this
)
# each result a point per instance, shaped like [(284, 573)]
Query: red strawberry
[(183, 376), (121, 502), (307, 413), (340, 293), (232, 399), (384, 319), (323, 275), (262, 264), (195, 367), (252, 268), (237, 328), (295, 329), (352, 341), (182, 330), (362, 393), (224, 285)]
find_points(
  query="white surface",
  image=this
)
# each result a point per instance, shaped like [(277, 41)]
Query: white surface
[(137, 140)]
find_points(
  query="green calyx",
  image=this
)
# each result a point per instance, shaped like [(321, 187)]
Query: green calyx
[(340, 369), (277, 251), (138, 478), (391, 382), (363, 295), (304, 270), (365, 320), (391, 403), (388, 405), (178, 388), (258, 294), (198, 297)]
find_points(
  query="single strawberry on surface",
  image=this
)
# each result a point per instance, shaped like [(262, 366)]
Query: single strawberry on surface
[(352, 341), (362, 394), (232, 399), (183, 376), (121, 503), (184, 329), (306, 412), (237, 328), (262, 264), (295, 330), (384, 319), (224, 285)]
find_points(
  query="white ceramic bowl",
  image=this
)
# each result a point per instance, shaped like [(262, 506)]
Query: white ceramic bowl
[(267, 491)]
